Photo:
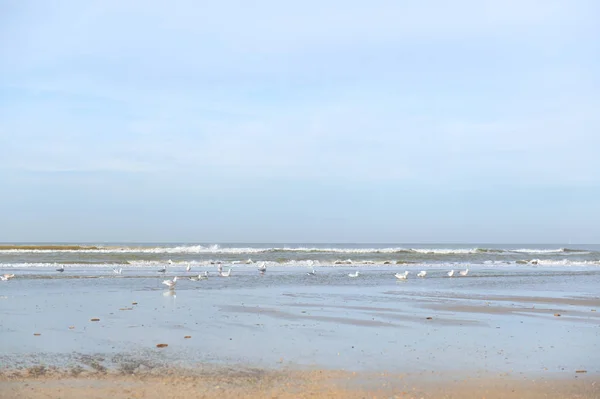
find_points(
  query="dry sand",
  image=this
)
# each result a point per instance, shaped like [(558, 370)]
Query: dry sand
[(39, 383)]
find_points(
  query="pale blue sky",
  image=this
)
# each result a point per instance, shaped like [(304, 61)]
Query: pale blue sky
[(312, 121)]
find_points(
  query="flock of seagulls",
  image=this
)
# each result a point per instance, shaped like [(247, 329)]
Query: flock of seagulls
[(262, 268), (423, 273)]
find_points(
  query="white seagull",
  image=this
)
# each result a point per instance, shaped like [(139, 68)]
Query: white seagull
[(226, 274), (355, 274), (464, 272), (402, 276), (188, 268), (313, 272), (171, 283), (170, 262), (249, 261), (262, 267), (118, 271), (422, 273), (6, 277), (450, 273)]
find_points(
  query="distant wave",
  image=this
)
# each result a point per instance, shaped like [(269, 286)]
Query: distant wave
[(565, 251), (216, 249)]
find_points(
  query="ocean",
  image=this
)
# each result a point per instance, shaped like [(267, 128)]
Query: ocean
[(138, 257), (520, 308)]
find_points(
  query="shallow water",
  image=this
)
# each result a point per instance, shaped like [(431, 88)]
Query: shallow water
[(493, 320)]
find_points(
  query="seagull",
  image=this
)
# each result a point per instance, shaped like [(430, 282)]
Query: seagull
[(226, 274), (262, 267), (61, 269), (464, 272), (450, 273), (355, 274), (313, 272), (171, 283), (188, 268), (220, 268), (195, 278), (6, 277), (422, 273), (401, 276), (205, 274), (170, 262), (249, 261), (163, 270), (118, 271)]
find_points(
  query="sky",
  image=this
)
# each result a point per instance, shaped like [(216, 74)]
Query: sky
[(315, 121)]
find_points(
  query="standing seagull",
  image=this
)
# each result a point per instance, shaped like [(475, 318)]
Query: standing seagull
[(188, 268), (118, 271), (163, 270), (171, 283), (450, 273), (401, 276), (464, 272), (262, 267), (313, 272), (355, 274), (226, 274), (422, 273)]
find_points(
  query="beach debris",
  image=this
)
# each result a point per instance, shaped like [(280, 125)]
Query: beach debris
[(429, 318), (593, 310), (95, 319), (37, 334), (581, 371), (162, 345), (557, 314), (134, 303), (71, 327), (187, 337), (125, 308)]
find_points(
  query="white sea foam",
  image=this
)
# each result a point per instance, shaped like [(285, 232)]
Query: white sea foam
[(216, 249)]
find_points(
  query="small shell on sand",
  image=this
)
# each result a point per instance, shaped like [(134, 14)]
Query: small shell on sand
[(581, 371), (134, 303), (71, 327), (162, 345), (37, 334), (94, 319), (187, 336), (557, 314)]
